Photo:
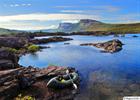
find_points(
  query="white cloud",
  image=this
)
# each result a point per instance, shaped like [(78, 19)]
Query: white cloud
[(70, 21), (47, 17), (17, 5), (24, 21), (123, 18), (101, 8), (110, 8), (26, 26)]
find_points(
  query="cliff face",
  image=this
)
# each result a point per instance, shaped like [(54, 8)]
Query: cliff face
[(88, 22), (81, 26), (88, 25), (66, 27)]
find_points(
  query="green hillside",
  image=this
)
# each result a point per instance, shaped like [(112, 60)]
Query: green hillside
[(7, 31), (93, 25), (115, 27)]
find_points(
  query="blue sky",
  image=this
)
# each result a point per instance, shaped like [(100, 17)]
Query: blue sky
[(45, 14)]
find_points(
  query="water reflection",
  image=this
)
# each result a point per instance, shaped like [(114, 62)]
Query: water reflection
[(104, 76)]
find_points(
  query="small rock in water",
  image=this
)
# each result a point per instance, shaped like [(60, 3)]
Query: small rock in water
[(109, 46)]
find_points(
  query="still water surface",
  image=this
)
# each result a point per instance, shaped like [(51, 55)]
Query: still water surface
[(104, 76)]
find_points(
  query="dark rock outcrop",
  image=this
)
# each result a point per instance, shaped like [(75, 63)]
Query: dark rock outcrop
[(15, 80), (109, 46), (135, 36), (13, 42), (48, 40), (8, 60)]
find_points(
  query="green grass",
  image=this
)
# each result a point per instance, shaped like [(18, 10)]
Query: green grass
[(12, 50), (33, 48), (123, 28)]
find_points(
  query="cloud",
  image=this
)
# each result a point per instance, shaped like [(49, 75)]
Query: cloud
[(72, 11), (26, 26), (129, 18), (47, 17), (70, 21), (105, 8), (18, 5), (31, 21), (109, 8), (123, 18)]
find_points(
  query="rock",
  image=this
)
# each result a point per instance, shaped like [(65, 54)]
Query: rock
[(48, 40), (13, 42), (135, 36), (6, 64), (66, 43), (8, 60), (50, 72), (109, 46), (28, 78)]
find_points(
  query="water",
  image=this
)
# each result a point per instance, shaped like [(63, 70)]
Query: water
[(104, 76)]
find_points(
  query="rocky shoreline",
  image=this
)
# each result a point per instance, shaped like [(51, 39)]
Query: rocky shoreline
[(109, 46), (21, 43), (16, 79), (49, 40)]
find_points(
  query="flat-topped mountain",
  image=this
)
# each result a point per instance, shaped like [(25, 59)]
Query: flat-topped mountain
[(88, 25)]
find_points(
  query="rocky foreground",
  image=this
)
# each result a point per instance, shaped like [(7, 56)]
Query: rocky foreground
[(16, 79), (109, 46), (27, 81)]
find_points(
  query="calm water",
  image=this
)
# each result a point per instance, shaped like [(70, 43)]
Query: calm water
[(104, 76)]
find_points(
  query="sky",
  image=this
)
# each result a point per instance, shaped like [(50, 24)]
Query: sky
[(47, 14)]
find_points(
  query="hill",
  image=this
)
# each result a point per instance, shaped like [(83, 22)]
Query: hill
[(87, 25), (8, 31)]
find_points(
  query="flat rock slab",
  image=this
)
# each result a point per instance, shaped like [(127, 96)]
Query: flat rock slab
[(21, 78)]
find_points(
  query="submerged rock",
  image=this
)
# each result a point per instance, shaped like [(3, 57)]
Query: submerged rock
[(135, 36), (109, 46), (66, 43)]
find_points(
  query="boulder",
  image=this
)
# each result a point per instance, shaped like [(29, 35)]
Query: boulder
[(109, 46), (8, 60)]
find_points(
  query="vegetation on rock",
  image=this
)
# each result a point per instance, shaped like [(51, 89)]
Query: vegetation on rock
[(33, 48)]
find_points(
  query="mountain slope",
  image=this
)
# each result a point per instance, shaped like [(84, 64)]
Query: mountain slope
[(7, 31), (93, 25)]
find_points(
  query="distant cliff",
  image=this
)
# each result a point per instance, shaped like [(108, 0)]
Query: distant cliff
[(88, 25)]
